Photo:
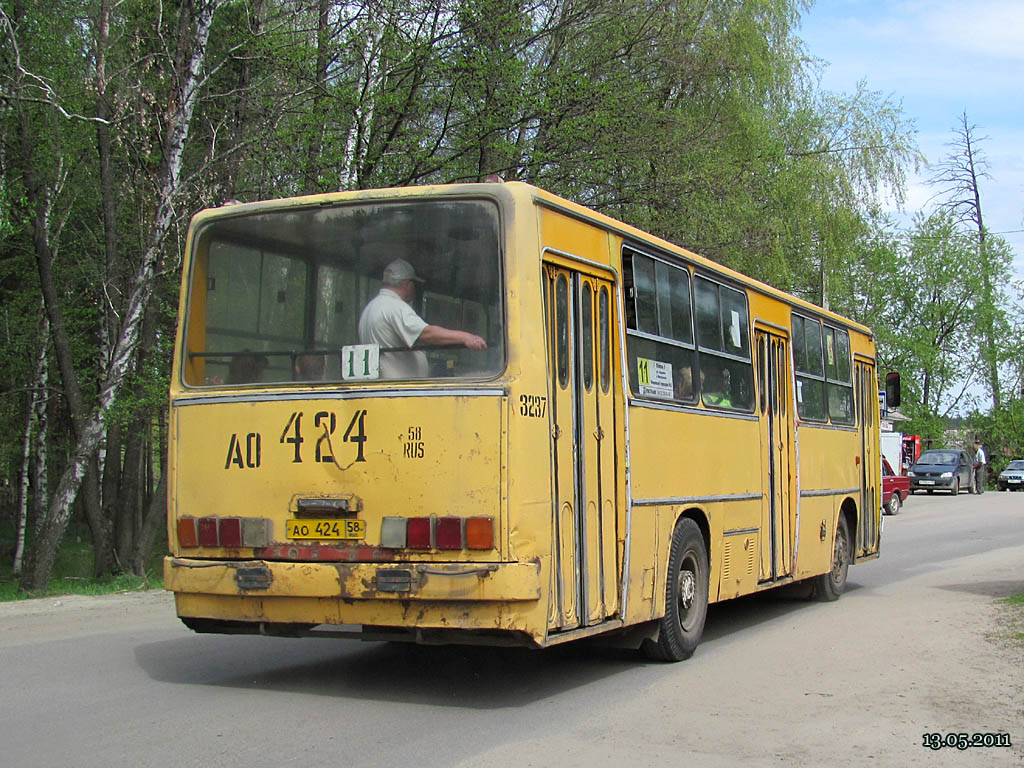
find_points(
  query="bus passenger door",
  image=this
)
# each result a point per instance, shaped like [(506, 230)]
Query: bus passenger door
[(580, 322), (777, 525), (870, 464)]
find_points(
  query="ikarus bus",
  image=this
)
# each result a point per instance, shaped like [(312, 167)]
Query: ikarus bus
[(480, 413)]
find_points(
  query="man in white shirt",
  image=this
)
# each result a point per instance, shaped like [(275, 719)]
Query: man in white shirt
[(979, 467), (390, 322)]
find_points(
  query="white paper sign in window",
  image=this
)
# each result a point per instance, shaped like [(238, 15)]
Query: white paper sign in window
[(734, 329), (654, 378)]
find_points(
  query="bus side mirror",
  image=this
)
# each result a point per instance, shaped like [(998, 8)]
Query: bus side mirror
[(892, 389)]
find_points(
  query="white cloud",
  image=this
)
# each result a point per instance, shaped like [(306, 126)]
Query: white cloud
[(991, 29), (939, 59)]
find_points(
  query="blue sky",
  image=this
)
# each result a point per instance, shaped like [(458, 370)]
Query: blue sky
[(938, 58)]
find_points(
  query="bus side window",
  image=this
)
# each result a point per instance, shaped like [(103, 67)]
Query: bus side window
[(659, 336), (723, 338), (604, 328), (562, 329), (587, 319), (838, 381), (810, 379)]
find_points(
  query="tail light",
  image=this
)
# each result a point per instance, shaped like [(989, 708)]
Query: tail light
[(480, 533), (208, 532), (226, 532), (443, 533), (419, 533), (449, 533)]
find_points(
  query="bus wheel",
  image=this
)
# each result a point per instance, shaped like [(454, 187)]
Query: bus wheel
[(829, 586), (686, 596)]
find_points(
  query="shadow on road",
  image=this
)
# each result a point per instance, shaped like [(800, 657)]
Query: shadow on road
[(988, 588), (461, 676)]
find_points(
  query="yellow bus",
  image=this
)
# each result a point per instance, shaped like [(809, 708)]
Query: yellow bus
[(579, 428)]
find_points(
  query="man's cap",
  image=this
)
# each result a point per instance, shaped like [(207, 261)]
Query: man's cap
[(399, 270)]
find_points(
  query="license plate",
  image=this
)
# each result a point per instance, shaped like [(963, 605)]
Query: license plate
[(926, 482), (325, 529)]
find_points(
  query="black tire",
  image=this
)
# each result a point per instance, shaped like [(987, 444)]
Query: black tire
[(829, 586), (686, 596), (893, 507), (955, 491)]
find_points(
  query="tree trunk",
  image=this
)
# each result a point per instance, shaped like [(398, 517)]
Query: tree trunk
[(36, 406), (194, 40), (40, 473), (154, 523)]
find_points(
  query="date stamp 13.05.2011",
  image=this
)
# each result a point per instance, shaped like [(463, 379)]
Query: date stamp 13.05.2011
[(965, 740)]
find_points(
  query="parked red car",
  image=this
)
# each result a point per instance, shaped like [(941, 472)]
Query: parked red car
[(895, 489)]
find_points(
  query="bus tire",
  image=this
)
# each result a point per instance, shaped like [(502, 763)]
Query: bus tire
[(829, 586), (686, 596)]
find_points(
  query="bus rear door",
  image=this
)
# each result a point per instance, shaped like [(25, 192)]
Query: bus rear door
[(580, 322)]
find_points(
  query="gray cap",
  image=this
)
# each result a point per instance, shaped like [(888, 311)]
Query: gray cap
[(399, 270)]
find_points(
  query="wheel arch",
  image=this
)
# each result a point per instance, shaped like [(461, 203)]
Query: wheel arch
[(848, 510), (700, 517)]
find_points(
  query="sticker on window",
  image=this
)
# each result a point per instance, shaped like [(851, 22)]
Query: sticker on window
[(360, 361), (829, 347), (734, 329), (654, 378)]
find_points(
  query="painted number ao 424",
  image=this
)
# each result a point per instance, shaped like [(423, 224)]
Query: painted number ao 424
[(325, 424)]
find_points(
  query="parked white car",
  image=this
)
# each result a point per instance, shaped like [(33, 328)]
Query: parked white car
[(1012, 478)]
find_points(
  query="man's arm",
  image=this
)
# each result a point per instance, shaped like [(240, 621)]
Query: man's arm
[(435, 335)]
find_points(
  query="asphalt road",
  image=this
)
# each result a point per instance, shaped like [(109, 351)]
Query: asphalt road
[(916, 646)]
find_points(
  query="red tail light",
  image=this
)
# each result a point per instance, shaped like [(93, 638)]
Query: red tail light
[(449, 533), (208, 531), (231, 532), (418, 533)]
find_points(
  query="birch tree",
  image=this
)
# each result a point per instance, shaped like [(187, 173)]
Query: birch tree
[(195, 29)]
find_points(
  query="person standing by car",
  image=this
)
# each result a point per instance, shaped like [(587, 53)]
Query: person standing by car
[(979, 467)]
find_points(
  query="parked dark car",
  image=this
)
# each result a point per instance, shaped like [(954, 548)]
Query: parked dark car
[(1012, 478), (942, 470), (895, 489)]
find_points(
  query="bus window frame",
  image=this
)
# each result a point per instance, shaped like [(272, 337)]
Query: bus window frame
[(836, 382), (702, 351), (627, 255), (827, 383), (198, 247)]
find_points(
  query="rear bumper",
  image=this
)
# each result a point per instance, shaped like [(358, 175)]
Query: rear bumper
[(933, 484), (355, 581), (461, 598)]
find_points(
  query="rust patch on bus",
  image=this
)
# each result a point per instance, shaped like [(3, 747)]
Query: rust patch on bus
[(319, 553)]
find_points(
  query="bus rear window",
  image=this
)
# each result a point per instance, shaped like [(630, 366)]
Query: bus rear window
[(277, 296)]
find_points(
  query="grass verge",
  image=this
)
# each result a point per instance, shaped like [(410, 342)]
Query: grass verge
[(1015, 618), (72, 572)]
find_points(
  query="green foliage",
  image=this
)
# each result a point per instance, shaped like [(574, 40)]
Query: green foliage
[(700, 122), (72, 572)]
